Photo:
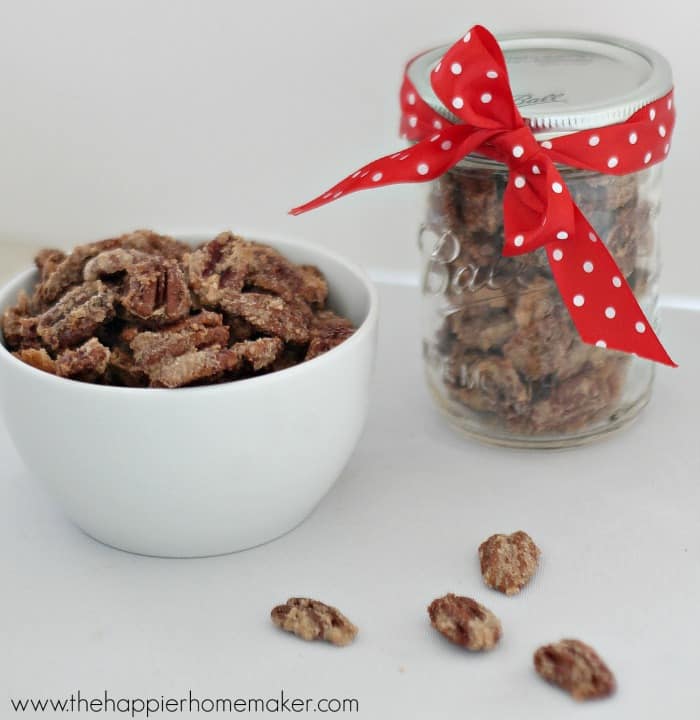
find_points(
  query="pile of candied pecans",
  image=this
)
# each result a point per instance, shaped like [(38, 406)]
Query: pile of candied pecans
[(145, 310), (502, 349)]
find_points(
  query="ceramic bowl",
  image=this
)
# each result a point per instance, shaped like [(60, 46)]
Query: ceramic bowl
[(203, 470)]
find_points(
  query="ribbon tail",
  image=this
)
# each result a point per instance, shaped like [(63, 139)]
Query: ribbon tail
[(423, 161), (598, 297)]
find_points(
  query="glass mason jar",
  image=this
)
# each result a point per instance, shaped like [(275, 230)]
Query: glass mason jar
[(502, 357)]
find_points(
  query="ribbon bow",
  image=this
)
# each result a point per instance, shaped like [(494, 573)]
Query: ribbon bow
[(471, 80)]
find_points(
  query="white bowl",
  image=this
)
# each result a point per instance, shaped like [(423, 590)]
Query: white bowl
[(203, 470)]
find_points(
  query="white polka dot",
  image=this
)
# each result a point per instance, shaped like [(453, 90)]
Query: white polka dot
[(546, 144), (557, 254), (593, 140), (435, 137), (647, 158), (562, 235), (592, 237), (519, 182), (669, 104), (662, 130), (616, 281), (422, 169), (457, 102), (518, 151), (601, 344), (588, 266), (579, 300), (640, 327), (518, 240), (467, 37), (446, 144), (652, 114), (612, 162), (610, 312), (535, 170), (455, 68), (557, 187), (377, 177), (667, 147), (633, 138), (437, 124), (492, 74), (411, 98), (486, 98), (413, 121)]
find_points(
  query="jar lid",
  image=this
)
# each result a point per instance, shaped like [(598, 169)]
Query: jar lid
[(565, 82)]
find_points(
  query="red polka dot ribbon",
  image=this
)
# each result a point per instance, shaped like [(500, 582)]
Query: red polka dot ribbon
[(472, 81)]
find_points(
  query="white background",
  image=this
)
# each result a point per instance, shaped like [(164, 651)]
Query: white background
[(219, 113)]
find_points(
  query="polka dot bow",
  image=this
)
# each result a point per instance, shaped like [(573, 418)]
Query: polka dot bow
[(471, 80)]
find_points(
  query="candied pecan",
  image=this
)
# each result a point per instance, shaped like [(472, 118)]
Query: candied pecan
[(193, 333), (260, 353), (156, 290), (112, 262), (77, 315), (631, 233), (210, 363), (486, 383), (18, 326), (546, 340), (508, 561), (581, 399), (576, 668), (485, 332), (123, 370), (87, 362), (313, 620), (229, 263), (269, 315), (478, 201), (328, 330), (465, 622), (69, 271), (190, 367), (47, 261), (218, 266), (38, 358)]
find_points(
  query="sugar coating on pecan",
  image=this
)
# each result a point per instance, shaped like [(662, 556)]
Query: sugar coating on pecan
[(88, 362), (268, 314), (575, 667), (229, 263), (327, 330), (77, 315), (19, 326), (314, 620), (37, 358), (465, 622), (508, 561)]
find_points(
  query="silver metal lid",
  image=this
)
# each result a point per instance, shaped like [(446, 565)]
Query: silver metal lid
[(564, 82)]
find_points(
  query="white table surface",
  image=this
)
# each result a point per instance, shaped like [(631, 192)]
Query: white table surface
[(618, 523)]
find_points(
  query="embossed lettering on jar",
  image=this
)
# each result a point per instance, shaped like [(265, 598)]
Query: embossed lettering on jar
[(502, 356)]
